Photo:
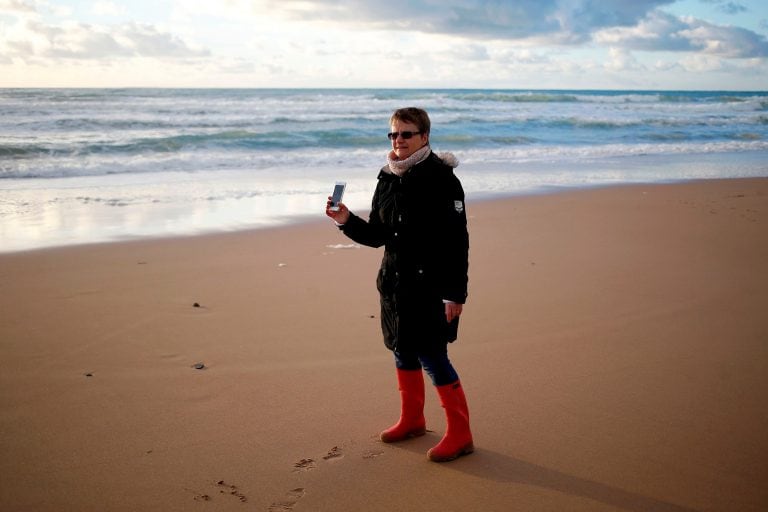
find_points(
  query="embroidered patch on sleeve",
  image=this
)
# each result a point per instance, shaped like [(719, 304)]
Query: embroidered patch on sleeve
[(459, 205)]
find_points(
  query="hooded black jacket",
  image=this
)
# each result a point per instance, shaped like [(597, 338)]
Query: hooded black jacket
[(421, 221)]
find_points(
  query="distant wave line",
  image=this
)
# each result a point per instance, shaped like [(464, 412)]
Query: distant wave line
[(75, 167)]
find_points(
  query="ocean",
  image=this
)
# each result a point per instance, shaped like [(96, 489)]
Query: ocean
[(91, 165)]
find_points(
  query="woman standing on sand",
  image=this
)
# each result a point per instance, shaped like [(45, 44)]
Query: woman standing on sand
[(418, 215)]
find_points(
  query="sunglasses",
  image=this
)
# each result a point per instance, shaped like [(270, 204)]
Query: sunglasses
[(405, 135)]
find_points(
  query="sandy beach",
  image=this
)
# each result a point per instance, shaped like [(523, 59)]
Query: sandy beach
[(613, 351)]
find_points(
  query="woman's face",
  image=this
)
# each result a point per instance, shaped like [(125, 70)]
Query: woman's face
[(404, 148)]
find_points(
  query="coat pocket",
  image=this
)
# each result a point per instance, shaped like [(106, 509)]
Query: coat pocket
[(451, 330), (385, 282), (389, 322)]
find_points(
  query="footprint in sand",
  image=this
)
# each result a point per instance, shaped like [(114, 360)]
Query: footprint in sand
[(291, 498), (304, 465), (294, 495), (224, 488), (231, 490), (372, 454), (333, 453)]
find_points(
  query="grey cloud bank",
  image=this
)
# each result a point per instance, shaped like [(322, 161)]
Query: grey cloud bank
[(634, 24)]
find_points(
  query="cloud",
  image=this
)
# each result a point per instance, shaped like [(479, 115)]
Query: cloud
[(559, 21), (106, 8), (628, 24), (581, 18), (664, 32), (147, 41), (622, 60), (474, 52), (16, 6), (732, 42), (726, 6), (31, 39)]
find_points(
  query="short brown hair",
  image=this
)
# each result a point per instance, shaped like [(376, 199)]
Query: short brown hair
[(412, 115)]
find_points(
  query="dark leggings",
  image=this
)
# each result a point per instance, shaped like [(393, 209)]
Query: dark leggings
[(435, 363)]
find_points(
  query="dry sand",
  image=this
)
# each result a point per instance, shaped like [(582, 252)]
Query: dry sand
[(614, 351)]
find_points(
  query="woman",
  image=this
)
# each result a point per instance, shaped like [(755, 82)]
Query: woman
[(418, 215)]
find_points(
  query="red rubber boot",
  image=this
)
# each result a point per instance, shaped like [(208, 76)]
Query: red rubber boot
[(457, 440), (412, 422)]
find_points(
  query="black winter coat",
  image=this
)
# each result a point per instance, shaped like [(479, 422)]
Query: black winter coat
[(421, 221)]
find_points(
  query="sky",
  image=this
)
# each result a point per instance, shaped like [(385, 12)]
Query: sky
[(512, 44)]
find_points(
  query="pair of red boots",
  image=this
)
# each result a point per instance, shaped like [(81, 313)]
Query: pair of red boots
[(457, 440)]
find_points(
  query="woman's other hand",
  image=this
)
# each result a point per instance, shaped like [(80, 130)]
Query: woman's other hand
[(452, 310), (341, 216)]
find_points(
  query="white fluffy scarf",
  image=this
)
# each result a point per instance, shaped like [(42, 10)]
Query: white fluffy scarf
[(399, 167)]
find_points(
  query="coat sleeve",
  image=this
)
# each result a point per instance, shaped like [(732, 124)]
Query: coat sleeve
[(372, 233), (455, 250)]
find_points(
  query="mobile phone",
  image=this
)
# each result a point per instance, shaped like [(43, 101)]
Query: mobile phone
[(338, 193)]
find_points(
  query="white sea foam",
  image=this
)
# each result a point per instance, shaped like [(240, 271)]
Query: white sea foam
[(343, 246)]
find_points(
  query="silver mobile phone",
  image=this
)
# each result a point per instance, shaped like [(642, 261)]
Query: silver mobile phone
[(338, 194)]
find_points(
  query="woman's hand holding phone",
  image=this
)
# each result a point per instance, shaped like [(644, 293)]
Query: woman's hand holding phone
[(338, 212)]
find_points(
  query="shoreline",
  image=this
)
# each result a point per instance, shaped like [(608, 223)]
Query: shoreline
[(288, 221), (612, 350)]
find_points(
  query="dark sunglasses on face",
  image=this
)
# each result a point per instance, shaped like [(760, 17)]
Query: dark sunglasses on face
[(405, 135)]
